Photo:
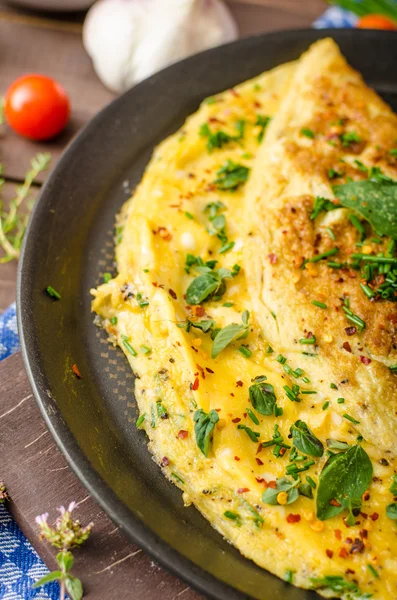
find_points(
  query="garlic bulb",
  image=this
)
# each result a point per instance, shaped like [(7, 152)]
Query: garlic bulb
[(128, 40)]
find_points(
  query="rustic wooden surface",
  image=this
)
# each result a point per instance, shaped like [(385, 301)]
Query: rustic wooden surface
[(35, 472)]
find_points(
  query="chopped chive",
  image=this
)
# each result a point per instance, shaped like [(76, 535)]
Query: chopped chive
[(340, 400), (226, 247), (281, 359), (278, 411), (228, 304), (311, 482), (53, 293), (233, 516), (361, 166), (146, 270), (113, 321), (376, 259), (188, 215), (393, 368), (367, 291), (269, 350), (335, 265), (143, 303), (127, 345), (308, 392), (325, 405), (355, 221), (253, 435), (140, 420), (252, 416), (107, 277), (145, 349), (305, 379), (177, 477), (349, 418), (319, 304), (373, 571), (245, 351), (273, 315), (330, 233), (310, 340), (319, 257), (333, 386)]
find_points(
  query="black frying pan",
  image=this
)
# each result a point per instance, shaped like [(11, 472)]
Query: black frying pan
[(69, 246)]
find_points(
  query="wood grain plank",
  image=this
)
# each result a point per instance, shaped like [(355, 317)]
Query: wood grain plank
[(8, 271), (56, 52), (254, 18), (39, 479), (310, 8)]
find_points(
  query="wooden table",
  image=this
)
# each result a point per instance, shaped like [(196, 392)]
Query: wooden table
[(36, 474)]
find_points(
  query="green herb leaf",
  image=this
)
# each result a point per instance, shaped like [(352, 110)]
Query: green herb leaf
[(344, 479), (335, 583), (74, 587), (305, 440), (337, 445), (225, 336), (321, 204), (65, 560), (203, 428), (309, 133), (391, 511), (231, 176), (53, 576), (348, 138), (201, 288), (375, 201), (282, 485), (262, 122), (262, 396), (305, 489), (393, 486), (52, 292)]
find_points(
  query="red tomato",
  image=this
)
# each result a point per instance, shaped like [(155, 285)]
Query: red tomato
[(375, 22), (36, 107)]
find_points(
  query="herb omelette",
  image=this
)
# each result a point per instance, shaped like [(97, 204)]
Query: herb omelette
[(255, 301)]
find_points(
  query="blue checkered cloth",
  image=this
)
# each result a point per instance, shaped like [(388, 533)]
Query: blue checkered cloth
[(20, 565)]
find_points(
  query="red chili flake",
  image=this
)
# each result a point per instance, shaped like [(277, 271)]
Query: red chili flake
[(209, 370), (164, 461), (365, 360), (193, 348), (218, 409), (236, 420), (245, 415), (196, 384), (172, 294), (334, 502), (231, 393), (351, 330), (261, 480), (374, 516), (366, 496), (198, 311), (202, 373), (242, 490), (349, 540), (272, 258), (343, 553), (258, 461), (234, 93), (182, 434), (163, 233), (357, 546), (363, 533), (76, 371), (329, 553), (283, 451), (237, 458), (338, 534), (239, 383), (346, 346), (350, 571), (259, 449), (272, 484), (291, 518), (364, 515)]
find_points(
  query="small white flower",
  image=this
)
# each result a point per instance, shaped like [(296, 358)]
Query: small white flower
[(42, 519)]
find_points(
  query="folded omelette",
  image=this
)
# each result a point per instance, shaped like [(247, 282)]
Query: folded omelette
[(255, 301)]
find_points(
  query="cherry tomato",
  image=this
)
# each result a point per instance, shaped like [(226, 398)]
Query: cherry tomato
[(375, 22), (36, 107)]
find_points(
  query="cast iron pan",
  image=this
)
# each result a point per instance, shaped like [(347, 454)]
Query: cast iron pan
[(69, 246)]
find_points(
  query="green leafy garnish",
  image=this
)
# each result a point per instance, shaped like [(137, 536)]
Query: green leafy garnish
[(217, 139), (391, 511), (309, 133), (204, 425), (343, 481), (262, 396), (229, 333), (205, 325), (282, 485), (335, 583), (348, 138), (305, 440), (393, 486), (321, 204), (207, 285), (375, 201), (52, 292), (262, 122), (231, 176)]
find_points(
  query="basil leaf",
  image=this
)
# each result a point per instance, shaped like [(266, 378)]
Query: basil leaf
[(74, 587), (376, 201), (344, 479), (203, 427), (282, 485), (391, 511), (262, 396), (305, 440), (225, 336), (201, 288), (393, 486), (305, 489)]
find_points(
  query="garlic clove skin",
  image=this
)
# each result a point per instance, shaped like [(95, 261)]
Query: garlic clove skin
[(129, 40)]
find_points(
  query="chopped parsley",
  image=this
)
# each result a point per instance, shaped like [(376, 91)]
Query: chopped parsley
[(262, 122), (348, 138), (231, 175), (309, 133)]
